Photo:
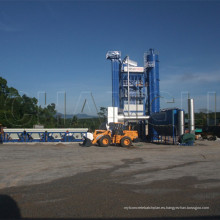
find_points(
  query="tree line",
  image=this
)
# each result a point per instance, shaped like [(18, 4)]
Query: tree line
[(18, 111)]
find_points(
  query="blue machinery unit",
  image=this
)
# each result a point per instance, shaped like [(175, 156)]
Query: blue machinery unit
[(143, 98), (167, 123), (140, 78), (144, 93)]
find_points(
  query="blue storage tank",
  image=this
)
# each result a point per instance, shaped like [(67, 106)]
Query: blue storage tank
[(153, 90), (153, 81), (165, 122)]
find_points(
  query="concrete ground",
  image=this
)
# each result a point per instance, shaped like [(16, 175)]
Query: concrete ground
[(146, 180)]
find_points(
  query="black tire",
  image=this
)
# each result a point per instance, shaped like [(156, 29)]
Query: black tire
[(104, 141), (126, 142)]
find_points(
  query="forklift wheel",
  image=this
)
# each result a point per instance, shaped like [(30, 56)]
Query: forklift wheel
[(104, 141), (126, 142)]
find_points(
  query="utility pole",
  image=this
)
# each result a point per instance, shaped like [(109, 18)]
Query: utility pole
[(64, 108)]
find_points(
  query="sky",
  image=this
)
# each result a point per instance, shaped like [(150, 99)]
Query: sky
[(59, 47)]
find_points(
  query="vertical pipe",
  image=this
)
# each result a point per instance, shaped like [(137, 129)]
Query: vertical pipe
[(181, 122), (191, 116)]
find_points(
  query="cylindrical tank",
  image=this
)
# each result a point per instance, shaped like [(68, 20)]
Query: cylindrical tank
[(191, 116), (153, 82), (181, 123), (152, 73)]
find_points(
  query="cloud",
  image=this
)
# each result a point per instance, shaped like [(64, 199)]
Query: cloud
[(201, 77), (200, 85), (188, 77)]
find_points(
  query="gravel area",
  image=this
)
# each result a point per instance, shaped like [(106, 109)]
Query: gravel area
[(65, 180)]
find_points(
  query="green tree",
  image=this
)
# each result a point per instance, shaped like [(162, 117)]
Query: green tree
[(12, 93), (75, 121), (60, 123), (46, 116), (3, 86), (17, 111), (102, 114)]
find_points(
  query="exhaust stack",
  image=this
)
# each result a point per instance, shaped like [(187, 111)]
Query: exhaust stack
[(191, 122), (181, 123)]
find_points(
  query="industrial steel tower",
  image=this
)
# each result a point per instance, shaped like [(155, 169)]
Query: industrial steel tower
[(152, 74), (135, 90)]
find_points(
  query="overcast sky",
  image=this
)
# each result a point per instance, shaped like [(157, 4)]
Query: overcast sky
[(60, 46)]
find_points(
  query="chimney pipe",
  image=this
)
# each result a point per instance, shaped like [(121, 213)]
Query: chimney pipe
[(191, 122)]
